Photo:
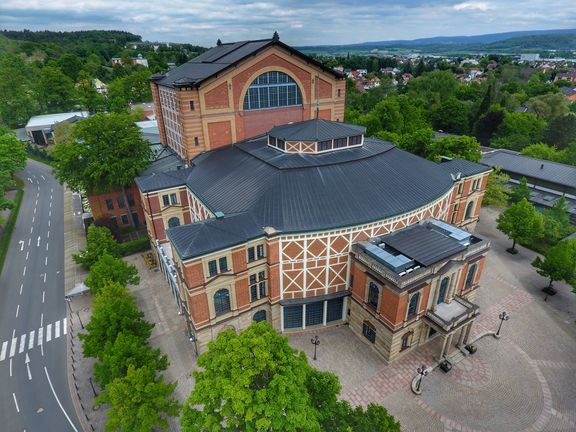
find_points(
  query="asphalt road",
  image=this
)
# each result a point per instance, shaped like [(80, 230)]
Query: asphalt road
[(34, 392)]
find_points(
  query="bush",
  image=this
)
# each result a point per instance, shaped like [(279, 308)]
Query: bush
[(134, 246)]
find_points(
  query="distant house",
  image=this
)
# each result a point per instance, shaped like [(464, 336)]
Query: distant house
[(148, 108), (100, 86), (40, 128), (548, 181), (135, 60), (569, 76), (528, 58)]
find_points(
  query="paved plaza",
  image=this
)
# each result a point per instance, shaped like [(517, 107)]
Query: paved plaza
[(525, 381)]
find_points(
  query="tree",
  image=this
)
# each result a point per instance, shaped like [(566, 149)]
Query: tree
[(521, 223), (12, 159), (62, 131), (556, 222), (559, 263), (114, 311), (71, 65), (55, 91), (450, 115), (110, 269), (487, 125), (518, 130), (520, 191), (548, 106), (434, 87), (496, 193), (89, 98), (543, 151), (127, 350), (561, 131), (254, 381), (464, 147), (139, 402), (16, 103), (99, 241), (108, 152), (418, 142)]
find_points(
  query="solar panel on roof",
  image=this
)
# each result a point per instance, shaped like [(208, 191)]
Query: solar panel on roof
[(461, 236), (397, 263)]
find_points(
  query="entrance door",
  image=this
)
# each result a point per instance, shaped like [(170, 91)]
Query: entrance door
[(442, 290)]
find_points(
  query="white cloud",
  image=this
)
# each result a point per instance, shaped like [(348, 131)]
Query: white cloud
[(473, 5)]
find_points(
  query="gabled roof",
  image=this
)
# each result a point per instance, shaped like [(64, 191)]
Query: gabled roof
[(315, 130), (521, 165), (222, 57)]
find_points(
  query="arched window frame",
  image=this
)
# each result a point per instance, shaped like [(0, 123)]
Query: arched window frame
[(373, 295), (413, 305), (273, 89), (471, 275), (260, 316), (171, 221), (443, 290), (469, 210), (406, 340), (222, 302), (369, 331)]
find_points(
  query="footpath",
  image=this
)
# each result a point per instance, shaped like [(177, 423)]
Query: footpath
[(153, 298)]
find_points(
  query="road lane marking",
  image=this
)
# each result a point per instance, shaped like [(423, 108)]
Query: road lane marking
[(44, 277), (31, 229), (29, 240), (57, 330), (33, 219), (40, 335), (27, 362), (38, 242), (65, 326), (13, 333), (36, 203), (46, 261), (21, 286), (42, 319), (31, 339), (50, 213), (43, 178), (22, 343), (48, 222), (46, 246), (3, 352), (24, 272), (49, 332), (42, 350), (27, 253), (13, 347), (50, 205), (43, 296), (17, 310), (57, 400), (21, 245), (16, 402), (37, 195), (10, 367), (51, 190), (29, 179), (48, 234)]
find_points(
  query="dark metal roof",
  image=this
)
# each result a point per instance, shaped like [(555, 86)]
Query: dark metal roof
[(465, 167), (315, 130), (541, 169), (423, 244), (351, 187), (222, 57)]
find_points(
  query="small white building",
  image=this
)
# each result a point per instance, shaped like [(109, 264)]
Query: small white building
[(39, 128)]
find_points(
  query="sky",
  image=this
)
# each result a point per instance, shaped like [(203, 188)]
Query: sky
[(298, 22)]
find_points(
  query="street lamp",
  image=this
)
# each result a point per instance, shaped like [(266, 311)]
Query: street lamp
[(315, 341), (503, 317), (422, 371)]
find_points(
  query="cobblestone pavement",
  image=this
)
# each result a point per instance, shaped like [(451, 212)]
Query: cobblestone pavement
[(525, 381)]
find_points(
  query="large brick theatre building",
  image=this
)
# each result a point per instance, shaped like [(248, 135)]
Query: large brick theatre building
[(302, 220)]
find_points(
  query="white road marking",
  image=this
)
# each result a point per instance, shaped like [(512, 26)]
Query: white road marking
[(36, 203), (48, 222), (10, 367), (38, 242), (48, 332), (31, 339), (40, 335), (37, 194), (27, 361), (50, 213), (24, 271), (3, 352), (21, 286), (13, 347), (27, 253), (65, 326), (17, 310), (16, 402), (57, 400), (42, 350), (22, 343), (29, 240), (51, 190), (50, 205), (46, 261), (13, 333), (44, 277), (41, 319), (43, 178), (46, 246), (43, 295), (48, 234), (57, 330), (21, 245), (29, 179), (33, 219), (34, 210), (31, 229)]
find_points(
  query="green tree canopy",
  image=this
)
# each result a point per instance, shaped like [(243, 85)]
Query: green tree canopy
[(127, 350), (561, 131), (108, 151), (114, 311), (517, 130), (450, 115), (521, 223), (464, 147), (99, 241), (111, 269), (12, 152), (139, 402), (557, 222), (55, 91), (434, 87), (520, 191), (496, 193), (544, 151), (16, 102), (548, 106), (559, 263)]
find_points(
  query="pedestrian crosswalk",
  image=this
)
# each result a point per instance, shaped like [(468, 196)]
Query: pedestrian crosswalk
[(26, 341)]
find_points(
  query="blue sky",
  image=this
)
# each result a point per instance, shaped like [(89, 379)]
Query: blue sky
[(299, 22)]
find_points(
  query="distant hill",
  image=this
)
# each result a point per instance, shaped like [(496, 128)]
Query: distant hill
[(478, 39), (73, 37)]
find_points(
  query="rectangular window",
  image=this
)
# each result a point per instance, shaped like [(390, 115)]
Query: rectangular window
[(338, 92), (260, 251), (405, 342), (340, 142), (314, 313), (109, 204), (113, 222), (212, 269), (454, 214), (191, 105), (460, 189), (173, 198), (356, 140), (280, 144), (121, 202), (196, 142), (253, 287), (223, 263), (124, 219), (257, 284), (131, 202), (292, 317), (369, 332), (334, 309), (166, 200), (351, 281), (251, 254), (325, 145)]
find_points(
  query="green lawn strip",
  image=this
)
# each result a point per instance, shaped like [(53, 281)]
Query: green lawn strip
[(5, 239), (39, 159)]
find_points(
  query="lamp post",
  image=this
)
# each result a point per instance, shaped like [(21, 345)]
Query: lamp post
[(503, 317), (422, 371), (315, 341)]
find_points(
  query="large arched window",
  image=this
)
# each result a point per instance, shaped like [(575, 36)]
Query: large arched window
[(222, 301), (471, 275), (413, 306), (373, 294), (272, 90), (259, 316), (442, 290), (173, 222), (469, 209)]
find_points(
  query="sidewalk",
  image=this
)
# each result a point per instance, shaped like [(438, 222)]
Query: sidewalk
[(153, 298)]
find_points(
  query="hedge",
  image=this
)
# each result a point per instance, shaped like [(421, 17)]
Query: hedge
[(134, 246)]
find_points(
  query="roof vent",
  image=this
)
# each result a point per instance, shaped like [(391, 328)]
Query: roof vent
[(268, 230), (219, 42), (219, 214), (542, 166)]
